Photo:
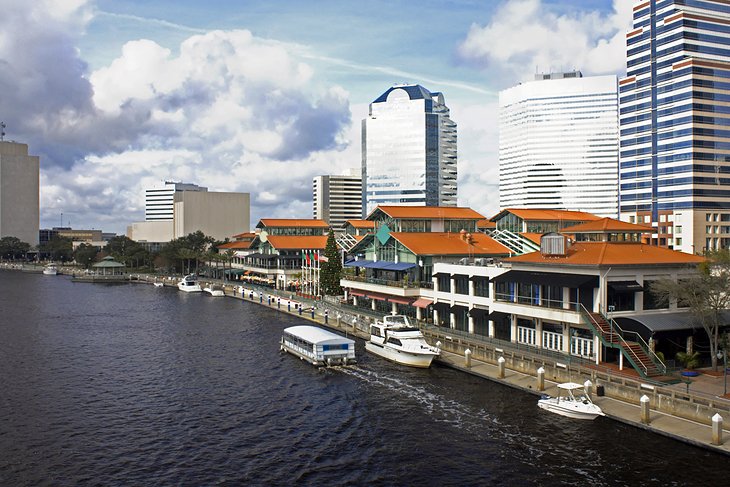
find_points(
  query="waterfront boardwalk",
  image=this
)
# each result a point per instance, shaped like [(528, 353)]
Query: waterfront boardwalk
[(675, 427)]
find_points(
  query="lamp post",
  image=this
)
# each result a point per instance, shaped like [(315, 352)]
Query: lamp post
[(722, 354)]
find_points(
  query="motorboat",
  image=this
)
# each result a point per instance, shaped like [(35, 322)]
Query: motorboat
[(214, 290), (50, 270), (158, 284), (573, 401), (189, 284), (395, 339)]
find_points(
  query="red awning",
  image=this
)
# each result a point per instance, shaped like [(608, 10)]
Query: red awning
[(398, 300), (377, 296), (357, 293), (422, 302)]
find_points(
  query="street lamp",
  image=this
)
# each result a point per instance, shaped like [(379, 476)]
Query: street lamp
[(722, 354)]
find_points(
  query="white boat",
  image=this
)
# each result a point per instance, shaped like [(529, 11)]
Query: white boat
[(50, 270), (189, 284), (395, 339), (318, 346), (214, 290), (572, 404), (158, 284)]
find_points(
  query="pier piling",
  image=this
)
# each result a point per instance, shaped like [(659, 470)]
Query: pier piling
[(645, 409), (541, 379), (500, 362), (467, 358), (717, 429)]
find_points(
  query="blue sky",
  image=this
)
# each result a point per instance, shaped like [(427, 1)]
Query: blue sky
[(117, 95)]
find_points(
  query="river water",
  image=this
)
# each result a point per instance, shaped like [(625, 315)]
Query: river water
[(128, 384)]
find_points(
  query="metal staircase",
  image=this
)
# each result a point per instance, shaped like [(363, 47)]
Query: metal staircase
[(515, 242), (346, 241), (635, 349)]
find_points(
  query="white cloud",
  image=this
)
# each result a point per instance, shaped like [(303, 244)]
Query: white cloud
[(524, 35)]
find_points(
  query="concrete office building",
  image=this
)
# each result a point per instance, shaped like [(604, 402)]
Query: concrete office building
[(19, 192), (336, 199), (674, 119), (409, 150), (158, 202), (558, 144)]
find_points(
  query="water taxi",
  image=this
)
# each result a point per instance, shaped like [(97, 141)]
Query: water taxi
[(395, 339), (189, 284), (50, 270), (318, 346), (570, 405)]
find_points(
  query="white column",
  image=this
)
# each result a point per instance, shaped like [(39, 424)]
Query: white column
[(471, 324), (418, 313), (471, 287), (436, 317), (538, 333), (566, 338), (491, 329), (452, 318), (597, 348), (513, 329), (372, 305), (354, 300), (394, 308)]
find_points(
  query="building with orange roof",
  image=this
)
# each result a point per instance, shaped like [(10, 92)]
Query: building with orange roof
[(591, 301), (608, 230)]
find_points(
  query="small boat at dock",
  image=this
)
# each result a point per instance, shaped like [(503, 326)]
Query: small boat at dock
[(214, 290), (571, 405), (50, 270), (158, 284), (396, 340), (189, 284), (318, 346)]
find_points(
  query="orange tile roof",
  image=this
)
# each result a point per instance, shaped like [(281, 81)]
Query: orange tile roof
[(361, 223), (245, 235), (442, 243), (607, 225), (235, 245), (287, 242), (486, 223), (539, 214), (532, 237), (613, 254), (430, 212), (292, 222)]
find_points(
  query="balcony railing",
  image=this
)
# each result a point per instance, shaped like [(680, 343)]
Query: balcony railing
[(537, 302), (385, 282)]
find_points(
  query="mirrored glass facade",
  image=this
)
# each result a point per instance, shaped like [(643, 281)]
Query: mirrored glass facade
[(409, 150), (558, 144)]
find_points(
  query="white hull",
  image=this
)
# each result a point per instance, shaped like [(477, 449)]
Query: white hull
[(214, 292), (48, 272), (190, 289), (401, 357), (571, 409), (158, 284)]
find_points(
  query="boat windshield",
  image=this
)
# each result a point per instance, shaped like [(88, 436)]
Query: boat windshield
[(396, 320)]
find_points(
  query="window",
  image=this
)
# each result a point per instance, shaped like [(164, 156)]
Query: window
[(461, 283), (481, 287), (444, 283), (652, 300), (678, 229), (647, 219), (678, 241), (632, 219), (662, 218)]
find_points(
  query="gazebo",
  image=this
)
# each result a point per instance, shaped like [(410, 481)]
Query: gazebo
[(108, 267)]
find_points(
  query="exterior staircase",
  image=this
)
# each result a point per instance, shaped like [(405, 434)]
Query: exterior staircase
[(515, 242), (637, 352)]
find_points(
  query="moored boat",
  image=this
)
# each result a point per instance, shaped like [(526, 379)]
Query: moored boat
[(570, 405), (318, 346), (158, 284), (214, 290), (395, 339), (189, 284), (50, 270)]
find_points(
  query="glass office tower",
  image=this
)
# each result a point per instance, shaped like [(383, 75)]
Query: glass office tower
[(409, 150), (558, 144), (675, 123)]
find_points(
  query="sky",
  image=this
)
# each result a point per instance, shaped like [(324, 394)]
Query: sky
[(116, 96)]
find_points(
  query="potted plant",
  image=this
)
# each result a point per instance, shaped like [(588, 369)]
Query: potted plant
[(689, 361)]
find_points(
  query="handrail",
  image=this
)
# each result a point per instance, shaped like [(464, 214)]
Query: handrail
[(645, 346)]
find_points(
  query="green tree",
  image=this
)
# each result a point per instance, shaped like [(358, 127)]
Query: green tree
[(705, 294), (331, 268), (57, 248), (13, 248), (85, 255)]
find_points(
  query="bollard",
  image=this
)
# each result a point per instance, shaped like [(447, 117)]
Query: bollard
[(500, 362), (588, 387), (326, 316), (338, 319), (261, 298), (467, 357), (541, 379), (268, 299), (438, 344), (717, 429), (278, 303), (312, 312), (645, 409), (300, 309), (288, 306)]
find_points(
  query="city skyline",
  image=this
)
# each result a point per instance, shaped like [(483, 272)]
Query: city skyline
[(233, 97)]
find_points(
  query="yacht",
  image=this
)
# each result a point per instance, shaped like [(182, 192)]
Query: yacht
[(214, 290), (50, 270), (189, 284), (570, 403), (397, 340)]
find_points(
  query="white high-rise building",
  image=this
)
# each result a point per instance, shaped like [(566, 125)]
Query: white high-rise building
[(336, 199), (675, 119), (158, 202), (19, 185), (558, 144), (409, 150)]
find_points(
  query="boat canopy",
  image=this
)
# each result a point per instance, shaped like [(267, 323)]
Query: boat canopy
[(570, 386), (318, 336)]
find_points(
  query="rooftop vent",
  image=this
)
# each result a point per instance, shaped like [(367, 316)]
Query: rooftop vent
[(554, 244)]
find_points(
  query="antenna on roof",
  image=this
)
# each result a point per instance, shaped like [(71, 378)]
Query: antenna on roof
[(2, 131)]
